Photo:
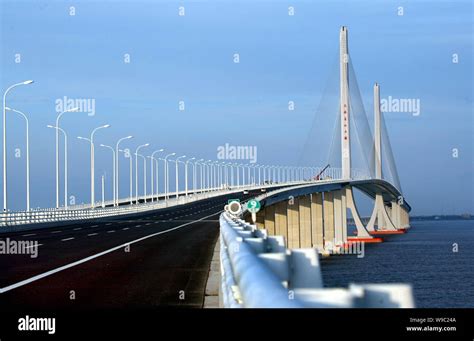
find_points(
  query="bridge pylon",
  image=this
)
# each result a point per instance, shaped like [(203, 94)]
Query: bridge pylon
[(398, 219)]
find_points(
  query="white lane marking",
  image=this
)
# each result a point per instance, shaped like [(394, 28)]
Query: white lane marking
[(125, 228), (94, 225), (70, 265), (111, 231), (56, 231), (92, 234), (66, 239), (29, 234), (138, 226), (27, 247), (148, 224), (108, 224), (77, 229)]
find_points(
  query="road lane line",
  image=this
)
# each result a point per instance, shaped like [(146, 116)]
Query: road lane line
[(112, 231), (66, 239), (70, 265), (29, 234), (125, 228), (92, 234), (94, 225), (77, 229), (56, 231)]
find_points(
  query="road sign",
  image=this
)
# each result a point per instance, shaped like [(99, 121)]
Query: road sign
[(253, 206)]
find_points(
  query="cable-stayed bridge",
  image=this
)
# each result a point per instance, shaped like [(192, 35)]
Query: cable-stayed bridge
[(304, 213)]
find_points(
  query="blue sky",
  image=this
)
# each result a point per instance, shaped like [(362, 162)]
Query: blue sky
[(282, 58)]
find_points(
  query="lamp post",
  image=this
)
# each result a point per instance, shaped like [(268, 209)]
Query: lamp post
[(177, 173), (209, 175), (116, 178), (27, 156), (65, 161), (113, 167), (125, 153), (136, 169), (186, 175), (57, 151), (165, 159), (5, 207), (144, 177), (151, 174), (198, 162)]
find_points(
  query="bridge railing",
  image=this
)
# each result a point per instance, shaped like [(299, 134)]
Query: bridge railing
[(257, 271), (53, 215), (84, 211)]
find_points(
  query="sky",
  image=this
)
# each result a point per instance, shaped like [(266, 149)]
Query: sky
[(138, 59)]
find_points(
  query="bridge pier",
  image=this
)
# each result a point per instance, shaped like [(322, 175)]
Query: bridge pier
[(317, 224), (385, 223), (293, 215), (305, 221)]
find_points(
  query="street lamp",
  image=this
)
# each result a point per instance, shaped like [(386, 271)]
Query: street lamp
[(125, 153), (57, 151), (177, 173), (116, 181), (65, 161), (144, 177), (152, 157), (136, 169), (5, 140), (27, 157), (186, 175), (198, 162), (167, 175), (113, 167), (93, 162)]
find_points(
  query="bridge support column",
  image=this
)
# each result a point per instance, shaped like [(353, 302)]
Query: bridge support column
[(260, 222), (317, 236), (380, 217), (404, 218), (281, 226), (361, 230), (328, 216), (305, 221), (269, 220), (340, 218), (395, 214), (293, 223)]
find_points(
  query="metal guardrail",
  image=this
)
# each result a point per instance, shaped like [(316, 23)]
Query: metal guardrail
[(257, 271)]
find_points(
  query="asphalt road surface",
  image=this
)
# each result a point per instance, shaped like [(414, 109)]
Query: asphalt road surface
[(158, 259)]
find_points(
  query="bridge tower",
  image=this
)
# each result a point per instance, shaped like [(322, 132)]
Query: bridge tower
[(344, 104), (398, 216)]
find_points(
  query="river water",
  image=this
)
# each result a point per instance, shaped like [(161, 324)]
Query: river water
[(425, 257)]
